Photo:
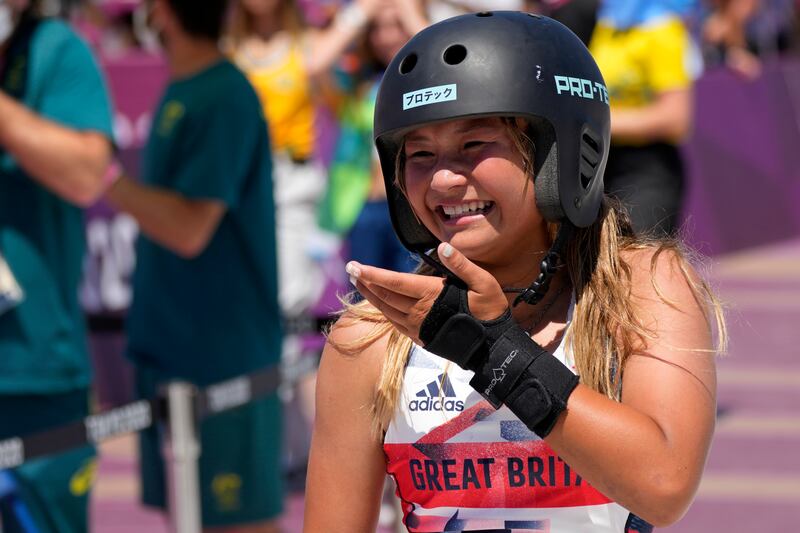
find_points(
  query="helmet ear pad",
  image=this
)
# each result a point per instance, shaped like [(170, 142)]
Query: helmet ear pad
[(545, 164), (559, 183), (409, 228)]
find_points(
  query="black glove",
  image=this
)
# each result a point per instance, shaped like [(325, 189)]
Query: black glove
[(510, 367)]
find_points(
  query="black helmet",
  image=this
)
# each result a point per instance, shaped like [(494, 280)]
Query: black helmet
[(501, 63)]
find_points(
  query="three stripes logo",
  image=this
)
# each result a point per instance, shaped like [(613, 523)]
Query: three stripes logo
[(438, 395)]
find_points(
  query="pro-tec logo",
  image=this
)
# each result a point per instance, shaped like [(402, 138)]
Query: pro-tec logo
[(437, 396), (499, 374)]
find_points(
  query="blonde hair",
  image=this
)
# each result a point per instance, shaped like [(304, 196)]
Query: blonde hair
[(605, 330)]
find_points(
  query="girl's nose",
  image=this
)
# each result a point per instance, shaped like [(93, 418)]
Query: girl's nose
[(448, 177)]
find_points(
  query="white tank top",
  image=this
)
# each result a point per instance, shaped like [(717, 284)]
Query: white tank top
[(459, 465)]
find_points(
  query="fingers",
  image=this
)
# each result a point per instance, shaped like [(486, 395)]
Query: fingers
[(406, 323), (404, 299), (387, 298), (394, 315), (411, 285), (486, 298), (474, 276)]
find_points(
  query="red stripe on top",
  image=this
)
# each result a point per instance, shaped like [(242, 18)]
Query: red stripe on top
[(456, 425)]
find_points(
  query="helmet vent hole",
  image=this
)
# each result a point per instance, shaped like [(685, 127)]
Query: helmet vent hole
[(484, 14), (590, 158), (455, 54), (408, 63), (591, 143)]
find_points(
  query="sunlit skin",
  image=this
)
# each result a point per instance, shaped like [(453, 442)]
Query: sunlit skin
[(462, 161)]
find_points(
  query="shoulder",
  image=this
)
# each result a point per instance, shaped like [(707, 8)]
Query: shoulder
[(56, 35), (56, 49), (660, 269), (223, 94), (349, 371), (357, 344), (53, 28), (240, 93), (670, 297), (230, 78), (667, 34)]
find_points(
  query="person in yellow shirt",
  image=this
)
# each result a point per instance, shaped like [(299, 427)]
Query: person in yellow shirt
[(284, 59), (649, 62)]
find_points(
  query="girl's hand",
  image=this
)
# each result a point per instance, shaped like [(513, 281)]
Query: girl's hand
[(406, 299)]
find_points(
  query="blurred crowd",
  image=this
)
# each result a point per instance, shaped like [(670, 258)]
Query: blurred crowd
[(249, 181)]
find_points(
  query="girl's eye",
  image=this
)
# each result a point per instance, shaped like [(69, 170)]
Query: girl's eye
[(420, 154)]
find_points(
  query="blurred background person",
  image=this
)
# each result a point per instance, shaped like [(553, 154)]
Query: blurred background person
[(438, 10), (740, 34), (355, 202), (55, 145), (288, 63), (578, 15), (724, 32), (649, 63), (205, 304)]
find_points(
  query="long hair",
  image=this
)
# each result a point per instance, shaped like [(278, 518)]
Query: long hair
[(605, 330)]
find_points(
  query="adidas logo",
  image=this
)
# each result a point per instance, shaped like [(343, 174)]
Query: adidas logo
[(437, 396)]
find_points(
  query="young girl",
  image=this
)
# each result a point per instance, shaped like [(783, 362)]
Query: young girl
[(546, 369)]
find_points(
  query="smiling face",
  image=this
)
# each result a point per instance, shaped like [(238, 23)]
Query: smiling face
[(466, 181)]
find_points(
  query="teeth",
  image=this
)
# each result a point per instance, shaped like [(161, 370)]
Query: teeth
[(471, 207)]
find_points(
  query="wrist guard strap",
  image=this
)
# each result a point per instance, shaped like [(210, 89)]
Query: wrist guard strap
[(509, 366)]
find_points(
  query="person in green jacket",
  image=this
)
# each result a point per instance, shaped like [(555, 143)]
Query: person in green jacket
[(55, 146)]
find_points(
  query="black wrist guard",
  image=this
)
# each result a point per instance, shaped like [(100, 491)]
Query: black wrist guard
[(510, 367)]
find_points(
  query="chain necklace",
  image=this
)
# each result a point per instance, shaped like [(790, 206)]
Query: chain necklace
[(546, 308)]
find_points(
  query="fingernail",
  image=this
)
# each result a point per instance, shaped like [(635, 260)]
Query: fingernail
[(353, 270), (353, 280), (447, 250)]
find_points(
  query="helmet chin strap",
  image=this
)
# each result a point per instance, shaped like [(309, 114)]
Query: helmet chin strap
[(534, 293)]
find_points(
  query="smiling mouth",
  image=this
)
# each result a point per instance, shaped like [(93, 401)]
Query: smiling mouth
[(453, 212)]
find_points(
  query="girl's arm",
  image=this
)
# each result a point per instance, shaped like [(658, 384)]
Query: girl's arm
[(347, 467), (648, 452)]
